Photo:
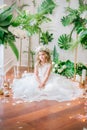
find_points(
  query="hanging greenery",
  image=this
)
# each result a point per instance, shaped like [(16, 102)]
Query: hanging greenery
[(6, 37), (31, 22), (46, 7)]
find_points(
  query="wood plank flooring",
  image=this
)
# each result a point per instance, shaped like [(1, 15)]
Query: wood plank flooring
[(43, 115)]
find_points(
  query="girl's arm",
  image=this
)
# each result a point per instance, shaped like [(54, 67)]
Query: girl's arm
[(36, 74)]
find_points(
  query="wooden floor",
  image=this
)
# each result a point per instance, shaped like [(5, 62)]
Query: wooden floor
[(44, 115)]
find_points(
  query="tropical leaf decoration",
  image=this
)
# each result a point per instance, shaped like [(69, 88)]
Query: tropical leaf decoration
[(46, 37), (83, 39), (64, 41), (67, 20), (79, 68), (7, 37), (10, 41), (69, 71), (66, 68), (55, 55), (74, 18), (82, 5), (79, 23), (31, 22), (46, 7)]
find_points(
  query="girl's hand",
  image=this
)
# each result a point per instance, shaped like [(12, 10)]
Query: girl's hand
[(42, 85)]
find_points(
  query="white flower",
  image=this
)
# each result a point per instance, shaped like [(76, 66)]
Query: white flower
[(53, 63), (56, 65), (60, 70), (64, 66), (42, 48), (53, 69)]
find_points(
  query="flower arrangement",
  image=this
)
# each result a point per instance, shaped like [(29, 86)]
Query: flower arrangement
[(42, 48), (66, 68)]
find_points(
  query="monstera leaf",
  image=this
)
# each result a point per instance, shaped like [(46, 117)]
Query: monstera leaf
[(67, 20), (63, 41)]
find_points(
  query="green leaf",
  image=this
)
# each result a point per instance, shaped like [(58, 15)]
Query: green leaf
[(63, 41), (55, 55), (14, 49), (47, 7), (3, 30), (6, 22), (69, 19), (1, 42), (9, 39), (4, 15), (46, 37), (83, 39)]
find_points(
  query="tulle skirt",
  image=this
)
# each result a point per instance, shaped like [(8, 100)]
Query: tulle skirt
[(57, 88)]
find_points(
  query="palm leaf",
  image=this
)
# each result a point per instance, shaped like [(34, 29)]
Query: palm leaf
[(83, 39), (14, 49), (7, 21), (6, 13), (82, 6), (10, 39), (46, 7)]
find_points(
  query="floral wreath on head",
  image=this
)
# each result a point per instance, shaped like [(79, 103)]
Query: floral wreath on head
[(42, 48)]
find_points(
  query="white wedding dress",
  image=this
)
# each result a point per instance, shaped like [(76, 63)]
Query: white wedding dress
[(57, 88)]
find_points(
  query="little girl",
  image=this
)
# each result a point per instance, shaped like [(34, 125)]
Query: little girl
[(43, 84)]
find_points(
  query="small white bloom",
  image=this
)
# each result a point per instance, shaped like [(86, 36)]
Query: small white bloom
[(64, 66), (59, 70), (53, 69), (56, 65), (53, 63)]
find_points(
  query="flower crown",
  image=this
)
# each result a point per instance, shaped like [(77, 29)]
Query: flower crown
[(42, 48)]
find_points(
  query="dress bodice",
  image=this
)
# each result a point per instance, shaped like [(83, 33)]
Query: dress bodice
[(42, 69)]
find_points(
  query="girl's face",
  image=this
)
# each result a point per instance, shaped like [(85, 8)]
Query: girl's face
[(42, 56)]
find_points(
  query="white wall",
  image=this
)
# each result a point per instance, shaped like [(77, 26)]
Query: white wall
[(54, 27)]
